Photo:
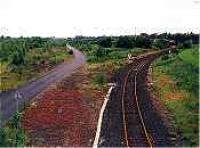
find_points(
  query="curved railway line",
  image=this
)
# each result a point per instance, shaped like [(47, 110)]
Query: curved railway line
[(130, 119), (130, 112), (136, 132)]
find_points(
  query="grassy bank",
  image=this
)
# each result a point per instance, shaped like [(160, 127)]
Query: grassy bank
[(177, 81)]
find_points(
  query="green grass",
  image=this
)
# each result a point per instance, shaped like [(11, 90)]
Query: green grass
[(114, 54), (37, 62), (100, 80), (12, 135), (190, 56), (181, 75)]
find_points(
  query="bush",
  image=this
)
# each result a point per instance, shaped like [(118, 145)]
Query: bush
[(12, 135), (124, 42), (165, 57), (91, 58), (105, 42), (100, 79), (187, 44), (160, 44), (18, 57), (100, 52)]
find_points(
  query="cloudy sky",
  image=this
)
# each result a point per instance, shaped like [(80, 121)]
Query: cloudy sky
[(62, 18)]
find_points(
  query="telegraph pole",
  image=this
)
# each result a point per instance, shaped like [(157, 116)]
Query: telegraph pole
[(135, 33)]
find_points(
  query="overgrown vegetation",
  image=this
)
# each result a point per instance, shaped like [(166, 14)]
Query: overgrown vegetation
[(22, 59), (13, 135), (177, 80), (100, 80)]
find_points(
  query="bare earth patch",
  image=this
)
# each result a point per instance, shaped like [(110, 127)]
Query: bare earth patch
[(66, 114), (166, 82)]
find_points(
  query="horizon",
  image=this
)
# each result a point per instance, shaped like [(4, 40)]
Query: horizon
[(106, 35)]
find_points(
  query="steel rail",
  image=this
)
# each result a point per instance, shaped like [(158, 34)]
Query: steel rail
[(137, 69)]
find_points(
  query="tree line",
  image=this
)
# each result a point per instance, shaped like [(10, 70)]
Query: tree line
[(182, 40), (13, 50)]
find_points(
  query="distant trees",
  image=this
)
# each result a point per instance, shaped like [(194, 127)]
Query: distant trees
[(100, 52), (105, 42), (125, 42), (160, 44), (185, 44), (13, 50), (195, 38), (143, 41), (140, 41)]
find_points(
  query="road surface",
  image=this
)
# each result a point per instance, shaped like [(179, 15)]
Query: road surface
[(8, 104)]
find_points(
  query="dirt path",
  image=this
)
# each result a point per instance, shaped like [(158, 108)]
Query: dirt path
[(27, 92)]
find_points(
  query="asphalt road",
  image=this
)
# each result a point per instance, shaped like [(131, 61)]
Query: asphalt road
[(8, 103)]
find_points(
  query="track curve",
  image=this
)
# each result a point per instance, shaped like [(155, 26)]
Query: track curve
[(130, 119)]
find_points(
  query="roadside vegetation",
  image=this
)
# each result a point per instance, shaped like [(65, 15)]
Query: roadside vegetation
[(13, 135), (176, 80), (23, 59)]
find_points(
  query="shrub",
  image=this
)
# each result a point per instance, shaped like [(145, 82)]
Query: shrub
[(105, 42), (18, 57), (100, 52), (100, 79), (12, 135), (165, 57), (160, 44), (124, 42)]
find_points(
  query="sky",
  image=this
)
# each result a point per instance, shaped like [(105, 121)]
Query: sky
[(68, 18)]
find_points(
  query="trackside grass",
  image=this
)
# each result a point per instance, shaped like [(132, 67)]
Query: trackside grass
[(177, 81)]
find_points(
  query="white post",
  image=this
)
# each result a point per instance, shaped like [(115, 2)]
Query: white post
[(17, 97)]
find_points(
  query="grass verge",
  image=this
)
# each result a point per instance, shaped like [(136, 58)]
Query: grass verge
[(177, 81)]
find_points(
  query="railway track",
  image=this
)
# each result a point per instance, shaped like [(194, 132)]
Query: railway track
[(135, 131), (130, 119)]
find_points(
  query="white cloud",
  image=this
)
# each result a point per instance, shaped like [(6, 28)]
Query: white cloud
[(97, 17)]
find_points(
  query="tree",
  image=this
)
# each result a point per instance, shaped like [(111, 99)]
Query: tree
[(143, 42), (187, 44), (195, 38), (125, 42), (160, 44), (100, 52), (18, 57), (105, 42)]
